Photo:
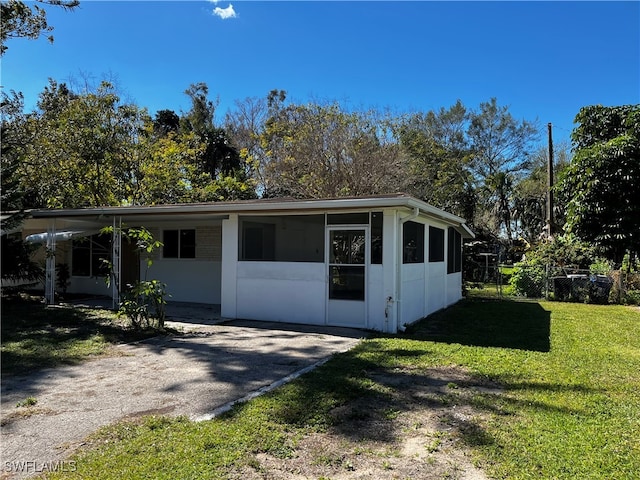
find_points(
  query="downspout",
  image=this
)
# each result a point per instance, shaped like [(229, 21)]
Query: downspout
[(401, 222)]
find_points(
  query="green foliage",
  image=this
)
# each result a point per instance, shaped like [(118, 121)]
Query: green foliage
[(528, 279), (17, 264), (323, 150), (601, 266), (82, 149), (547, 259), (90, 149), (500, 146), (143, 302), (63, 275), (602, 184), (27, 402), (438, 159)]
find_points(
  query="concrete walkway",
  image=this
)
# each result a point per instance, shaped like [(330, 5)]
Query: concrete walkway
[(191, 374)]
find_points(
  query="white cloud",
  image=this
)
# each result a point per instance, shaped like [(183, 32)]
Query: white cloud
[(225, 13)]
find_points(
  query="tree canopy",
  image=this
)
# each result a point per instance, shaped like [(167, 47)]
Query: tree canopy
[(89, 148), (602, 184)]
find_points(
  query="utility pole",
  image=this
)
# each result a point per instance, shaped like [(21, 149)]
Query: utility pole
[(550, 186)]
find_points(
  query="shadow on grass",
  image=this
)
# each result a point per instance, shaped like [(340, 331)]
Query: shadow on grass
[(488, 322), (35, 336)]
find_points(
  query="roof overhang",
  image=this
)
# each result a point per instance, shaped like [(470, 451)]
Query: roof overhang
[(223, 209)]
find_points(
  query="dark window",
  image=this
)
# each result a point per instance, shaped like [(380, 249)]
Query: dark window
[(376, 238), (258, 241), (454, 251), (286, 238), (348, 219), (179, 243), (90, 256), (81, 257), (436, 244), (171, 241), (412, 242), (188, 243)]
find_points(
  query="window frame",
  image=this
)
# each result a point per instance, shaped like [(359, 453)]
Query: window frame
[(93, 257), (180, 248), (436, 244), (454, 251), (418, 237)]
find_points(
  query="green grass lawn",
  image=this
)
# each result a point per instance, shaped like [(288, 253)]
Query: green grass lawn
[(35, 336), (569, 406)]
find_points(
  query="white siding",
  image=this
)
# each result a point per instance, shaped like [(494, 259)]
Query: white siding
[(413, 291), (281, 291), (376, 301), (436, 283), (454, 288), (189, 280)]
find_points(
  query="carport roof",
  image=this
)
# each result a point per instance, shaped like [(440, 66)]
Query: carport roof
[(273, 205)]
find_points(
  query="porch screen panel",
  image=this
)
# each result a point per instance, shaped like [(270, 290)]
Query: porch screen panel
[(436, 244), (81, 257), (284, 238)]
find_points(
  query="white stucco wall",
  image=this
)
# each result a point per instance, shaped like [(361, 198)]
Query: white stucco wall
[(436, 286), (281, 291), (454, 288), (376, 300), (413, 292), (189, 280)]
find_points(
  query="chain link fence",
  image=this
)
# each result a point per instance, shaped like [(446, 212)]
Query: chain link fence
[(551, 282)]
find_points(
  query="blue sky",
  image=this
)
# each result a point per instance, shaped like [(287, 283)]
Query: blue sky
[(545, 60)]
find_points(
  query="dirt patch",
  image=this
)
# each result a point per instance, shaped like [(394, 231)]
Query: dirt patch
[(413, 428)]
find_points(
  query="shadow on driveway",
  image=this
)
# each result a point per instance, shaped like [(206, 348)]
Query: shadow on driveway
[(189, 374)]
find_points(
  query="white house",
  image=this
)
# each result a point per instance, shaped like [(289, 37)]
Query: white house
[(377, 262)]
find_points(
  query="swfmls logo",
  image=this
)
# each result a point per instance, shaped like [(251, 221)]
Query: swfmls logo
[(63, 466)]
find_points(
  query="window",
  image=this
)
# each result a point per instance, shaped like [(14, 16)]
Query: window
[(285, 238), (412, 242), (436, 244), (179, 243), (348, 218), (454, 251), (88, 256), (258, 241), (376, 238)]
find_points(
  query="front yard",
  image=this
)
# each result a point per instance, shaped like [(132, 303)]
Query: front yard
[(520, 389)]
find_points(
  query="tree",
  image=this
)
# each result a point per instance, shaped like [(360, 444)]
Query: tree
[(245, 126), (165, 122), (17, 19), (500, 146), (220, 173), (602, 184), (14, 139), (81, 148), (438, 157), (320, 150)]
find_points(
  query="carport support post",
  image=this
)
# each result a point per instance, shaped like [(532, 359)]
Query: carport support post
[(116, 244), (50, 265)]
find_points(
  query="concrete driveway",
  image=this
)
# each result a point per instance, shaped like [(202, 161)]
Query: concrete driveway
[(193, 374)]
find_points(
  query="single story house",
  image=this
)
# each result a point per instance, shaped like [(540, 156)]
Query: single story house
[(376, 262)]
